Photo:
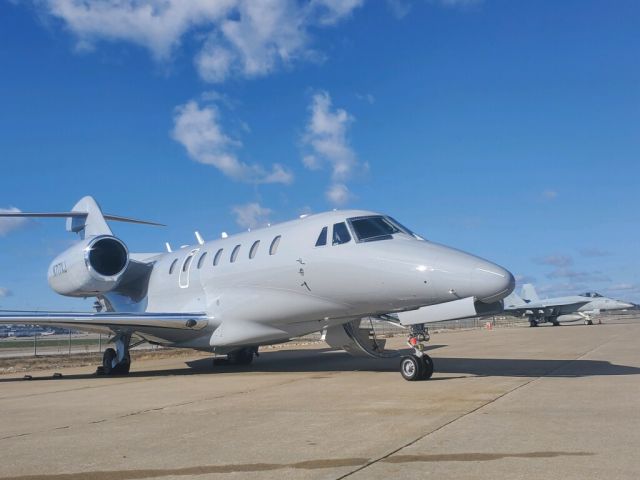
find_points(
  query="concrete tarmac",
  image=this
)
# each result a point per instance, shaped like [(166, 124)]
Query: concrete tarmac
[(526, 403)]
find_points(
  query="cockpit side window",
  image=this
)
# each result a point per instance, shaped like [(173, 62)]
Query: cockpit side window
[(340, 234), (322, 238), (404, 229), (369, 229)]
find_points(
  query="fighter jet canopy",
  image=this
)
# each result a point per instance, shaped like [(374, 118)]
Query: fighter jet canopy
[(591, 295)]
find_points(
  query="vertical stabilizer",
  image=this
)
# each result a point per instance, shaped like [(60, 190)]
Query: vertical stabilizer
[(513, 300), (528, 292), (90, 225)]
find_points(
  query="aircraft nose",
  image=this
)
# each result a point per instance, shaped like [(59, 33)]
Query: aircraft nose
[(491, 282)]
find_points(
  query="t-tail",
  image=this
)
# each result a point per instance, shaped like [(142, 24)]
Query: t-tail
[(85, 218), (100, 263)]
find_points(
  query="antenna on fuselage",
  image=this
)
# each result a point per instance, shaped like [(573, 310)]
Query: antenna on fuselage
[(223, 235), (168, 247), (199, 237)]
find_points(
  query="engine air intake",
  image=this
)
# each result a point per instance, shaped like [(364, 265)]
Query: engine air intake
[(108, 256)]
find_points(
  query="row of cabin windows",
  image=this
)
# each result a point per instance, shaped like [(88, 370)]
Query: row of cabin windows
[(273, 248), (340, 235)]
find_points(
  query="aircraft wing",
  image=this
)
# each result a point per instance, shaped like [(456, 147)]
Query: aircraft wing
[(105, 322)]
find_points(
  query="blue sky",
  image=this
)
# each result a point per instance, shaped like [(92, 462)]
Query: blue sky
[(507, 129)]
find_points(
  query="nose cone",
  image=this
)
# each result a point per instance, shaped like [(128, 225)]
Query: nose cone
[(624, 305), (491, 282), (454, 275)]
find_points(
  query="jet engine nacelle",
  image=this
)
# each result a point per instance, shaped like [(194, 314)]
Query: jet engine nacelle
[(95, 265)]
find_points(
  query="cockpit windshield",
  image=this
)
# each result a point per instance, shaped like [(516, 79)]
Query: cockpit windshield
[(377, 227), (591, 295)]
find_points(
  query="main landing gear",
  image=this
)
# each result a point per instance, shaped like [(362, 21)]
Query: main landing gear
[(419, 365), (244, 356), (117, 361)]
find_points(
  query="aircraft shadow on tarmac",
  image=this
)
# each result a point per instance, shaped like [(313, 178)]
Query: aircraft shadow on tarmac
[(326, 360)]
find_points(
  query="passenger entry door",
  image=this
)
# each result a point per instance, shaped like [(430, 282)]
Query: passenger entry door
[(185, 269)]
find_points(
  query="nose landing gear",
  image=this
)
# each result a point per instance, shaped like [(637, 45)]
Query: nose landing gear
[(419, 365)]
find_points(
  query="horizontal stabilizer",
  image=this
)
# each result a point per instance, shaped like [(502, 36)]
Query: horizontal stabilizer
[(106, 216), (85, 218)]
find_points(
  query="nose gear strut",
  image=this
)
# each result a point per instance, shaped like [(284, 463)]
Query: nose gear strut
[(419, 365)]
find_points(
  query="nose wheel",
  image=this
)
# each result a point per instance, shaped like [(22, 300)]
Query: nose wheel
[(419, 365)]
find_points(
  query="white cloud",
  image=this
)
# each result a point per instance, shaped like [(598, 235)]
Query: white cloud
[(457, 3), (9, 224), (594, 252), (522, 279), (326, 138), (366, 97), (555, 260), (5, 292), (157, 25), (244, 37), (338, 194), (198, 129), (619, 287), (399, 8), (251, 215), (578, 276), (550, 194)]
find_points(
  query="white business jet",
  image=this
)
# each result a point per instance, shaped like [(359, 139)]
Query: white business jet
[(323, 272)]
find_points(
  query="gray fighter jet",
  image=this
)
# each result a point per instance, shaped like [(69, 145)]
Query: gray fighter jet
[(560, 309)]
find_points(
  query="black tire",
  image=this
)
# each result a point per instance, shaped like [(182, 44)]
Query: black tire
[(243, 357), (107, 361), (555, 323), (427, 366), (123, 367), (533, 323), (411, 368)]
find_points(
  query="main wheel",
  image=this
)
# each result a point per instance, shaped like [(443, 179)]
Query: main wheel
[(411, 368), (555, 323), (427, 366), (588, 322), (108, 357), (243, 357), (533, 323), (123, 367)]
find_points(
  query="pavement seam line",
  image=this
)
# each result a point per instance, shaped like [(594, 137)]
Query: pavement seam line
[(518, 387), (155, 409)]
